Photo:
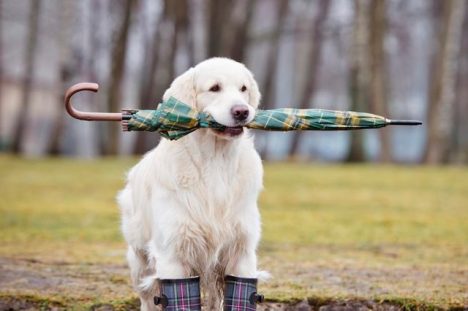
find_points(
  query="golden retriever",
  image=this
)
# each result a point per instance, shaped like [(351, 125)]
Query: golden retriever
[(189, 207)]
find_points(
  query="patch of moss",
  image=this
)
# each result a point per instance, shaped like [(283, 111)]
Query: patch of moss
[(23, 302)]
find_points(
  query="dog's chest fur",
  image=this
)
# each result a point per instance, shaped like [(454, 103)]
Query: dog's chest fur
[(212, 174), (211, 189)]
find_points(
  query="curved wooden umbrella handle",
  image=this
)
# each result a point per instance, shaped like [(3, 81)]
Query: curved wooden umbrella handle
[(88, 116)]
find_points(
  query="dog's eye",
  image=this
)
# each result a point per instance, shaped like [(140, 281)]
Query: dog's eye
[(215, 88), (243, 88)]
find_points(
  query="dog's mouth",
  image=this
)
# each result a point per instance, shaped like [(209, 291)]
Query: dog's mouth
[(230, 131)]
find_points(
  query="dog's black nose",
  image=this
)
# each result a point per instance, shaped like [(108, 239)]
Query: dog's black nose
[(239, 112)]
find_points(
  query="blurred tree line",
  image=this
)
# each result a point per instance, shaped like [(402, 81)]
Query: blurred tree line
[(401, 59)]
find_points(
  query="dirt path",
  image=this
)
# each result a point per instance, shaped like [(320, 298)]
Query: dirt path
[(27, 284), (32, 277)]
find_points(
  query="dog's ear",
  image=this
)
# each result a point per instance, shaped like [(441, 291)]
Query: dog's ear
[(254, 93), (183, 88)]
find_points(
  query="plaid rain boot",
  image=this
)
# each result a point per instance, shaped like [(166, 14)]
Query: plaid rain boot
[(179, 294), (240, 294)]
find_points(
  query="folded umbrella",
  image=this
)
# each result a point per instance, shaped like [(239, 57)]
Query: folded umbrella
[(174, 119)]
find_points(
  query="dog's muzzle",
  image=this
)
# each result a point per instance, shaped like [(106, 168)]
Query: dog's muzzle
[(240, 113), (230, 131)]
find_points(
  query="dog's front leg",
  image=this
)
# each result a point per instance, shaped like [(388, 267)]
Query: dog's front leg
[(245, 265), (244, 261), (240, 288), (169, 266), (177, 290)]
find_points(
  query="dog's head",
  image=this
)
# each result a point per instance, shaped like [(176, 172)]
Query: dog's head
[(221, 87)]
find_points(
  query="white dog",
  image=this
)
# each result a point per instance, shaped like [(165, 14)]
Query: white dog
[(190, 206)]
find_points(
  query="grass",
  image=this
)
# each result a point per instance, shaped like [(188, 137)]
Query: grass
[(330, 232)]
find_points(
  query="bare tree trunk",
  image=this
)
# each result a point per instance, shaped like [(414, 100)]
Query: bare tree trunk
[(119, 52), (239, 41), (459, 142), (272, 64), (190, 34), (442, 95), (31, 44), (150, 64), (67, 65), (214, 29), (176, 16), (378, 91), (96, 8), (312, 67), (273, 54), (148, 80), (177, 28), (2, 138), (218, 14), (358, 78)]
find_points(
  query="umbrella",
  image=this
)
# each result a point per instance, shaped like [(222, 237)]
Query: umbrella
[(174, 119)]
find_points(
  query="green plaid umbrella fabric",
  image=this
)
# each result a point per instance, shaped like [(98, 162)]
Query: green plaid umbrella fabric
[(174, 119)]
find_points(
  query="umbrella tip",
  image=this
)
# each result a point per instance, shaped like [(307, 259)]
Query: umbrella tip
[(403, 122)]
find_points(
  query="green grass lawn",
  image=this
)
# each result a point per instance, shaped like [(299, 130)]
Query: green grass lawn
[(330, 232)]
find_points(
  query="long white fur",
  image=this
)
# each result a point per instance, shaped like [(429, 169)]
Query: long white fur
[(190, 206)]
